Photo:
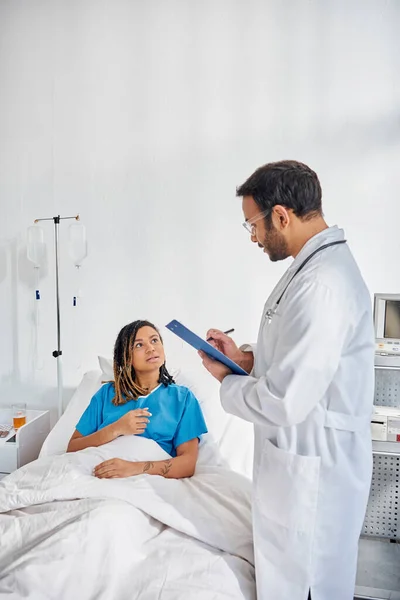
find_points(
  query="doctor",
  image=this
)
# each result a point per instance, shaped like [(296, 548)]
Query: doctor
[(309, 393)]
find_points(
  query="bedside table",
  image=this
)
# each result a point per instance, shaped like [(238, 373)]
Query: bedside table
[(23, 445)]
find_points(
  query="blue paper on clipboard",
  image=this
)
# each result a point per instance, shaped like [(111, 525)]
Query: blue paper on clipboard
[(194, 340)]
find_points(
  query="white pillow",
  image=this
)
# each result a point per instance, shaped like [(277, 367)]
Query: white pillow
[(58, 438)]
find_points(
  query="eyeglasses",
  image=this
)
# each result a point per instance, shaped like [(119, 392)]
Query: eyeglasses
[(249, 225)]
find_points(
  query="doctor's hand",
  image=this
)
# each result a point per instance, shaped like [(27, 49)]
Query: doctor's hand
[(227, 346), (217, 369), (224, 344)]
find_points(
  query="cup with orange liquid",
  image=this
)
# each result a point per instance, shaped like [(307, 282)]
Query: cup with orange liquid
[(19, 415)]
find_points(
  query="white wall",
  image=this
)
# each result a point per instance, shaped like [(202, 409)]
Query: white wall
[(143, 117)]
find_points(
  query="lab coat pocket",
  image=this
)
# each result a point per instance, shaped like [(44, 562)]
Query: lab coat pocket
[(287, 488)]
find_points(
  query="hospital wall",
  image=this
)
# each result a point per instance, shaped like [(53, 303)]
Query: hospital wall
[(143, 117)]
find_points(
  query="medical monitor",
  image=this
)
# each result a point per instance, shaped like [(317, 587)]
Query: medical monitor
[(387, 328)]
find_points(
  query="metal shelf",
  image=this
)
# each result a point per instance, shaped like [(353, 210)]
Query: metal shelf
[(389, 448), (378, 573)]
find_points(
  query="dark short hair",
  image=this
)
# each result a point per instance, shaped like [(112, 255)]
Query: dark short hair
[(287, 182)]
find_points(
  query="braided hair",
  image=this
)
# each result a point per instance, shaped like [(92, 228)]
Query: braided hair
[(125, 384)]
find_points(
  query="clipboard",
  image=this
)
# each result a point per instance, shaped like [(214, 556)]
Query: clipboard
[(199, 344)]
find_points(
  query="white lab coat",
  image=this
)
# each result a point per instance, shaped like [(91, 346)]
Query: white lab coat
[(310, 397)]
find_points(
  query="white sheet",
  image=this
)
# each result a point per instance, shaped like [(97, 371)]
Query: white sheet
[(142, 537)]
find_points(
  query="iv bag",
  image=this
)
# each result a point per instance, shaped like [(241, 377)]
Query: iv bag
[(77, 245), (36, 248)]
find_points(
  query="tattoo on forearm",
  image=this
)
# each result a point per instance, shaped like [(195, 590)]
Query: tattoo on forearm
[(166, 467), (147, 466)]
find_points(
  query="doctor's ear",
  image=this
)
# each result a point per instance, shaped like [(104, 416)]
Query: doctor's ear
[(282, 216)]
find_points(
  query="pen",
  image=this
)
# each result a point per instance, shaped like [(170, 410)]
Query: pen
[(225, 332)]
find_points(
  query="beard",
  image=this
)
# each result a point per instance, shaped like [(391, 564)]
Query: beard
[(275, 245)]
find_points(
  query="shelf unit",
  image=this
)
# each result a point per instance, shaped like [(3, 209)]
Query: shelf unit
[(378, 576), (23, 445)]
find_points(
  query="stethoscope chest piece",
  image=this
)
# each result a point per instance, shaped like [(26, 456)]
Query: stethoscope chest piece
[(269, 314)]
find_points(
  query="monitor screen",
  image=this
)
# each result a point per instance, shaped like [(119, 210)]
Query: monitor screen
[(392, 319)]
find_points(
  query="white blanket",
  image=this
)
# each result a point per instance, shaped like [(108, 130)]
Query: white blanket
[(68, 535)]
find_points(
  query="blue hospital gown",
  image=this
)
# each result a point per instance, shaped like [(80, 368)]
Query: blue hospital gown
[(176, 415)]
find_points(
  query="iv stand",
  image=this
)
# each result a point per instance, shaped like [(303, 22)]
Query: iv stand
[(58, 353)]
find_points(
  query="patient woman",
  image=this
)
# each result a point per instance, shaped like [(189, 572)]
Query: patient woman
[(142, 400)]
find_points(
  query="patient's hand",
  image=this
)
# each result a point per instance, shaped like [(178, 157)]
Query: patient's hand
[(183, 465), (133, 422), (116, 468)]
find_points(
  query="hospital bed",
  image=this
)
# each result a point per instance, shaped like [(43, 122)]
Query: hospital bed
[(109, 517), (67, 534)]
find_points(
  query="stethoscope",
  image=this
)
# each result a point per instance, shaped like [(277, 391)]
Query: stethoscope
[(271, 311)]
